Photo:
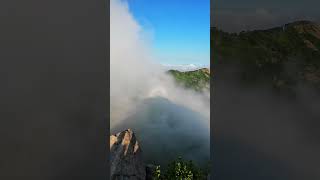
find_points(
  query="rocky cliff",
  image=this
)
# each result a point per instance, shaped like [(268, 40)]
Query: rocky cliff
[(126, 160)]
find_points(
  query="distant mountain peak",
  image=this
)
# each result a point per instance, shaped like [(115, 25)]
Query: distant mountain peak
[(183, 67)]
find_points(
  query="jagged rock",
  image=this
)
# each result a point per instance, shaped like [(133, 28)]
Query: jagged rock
[(126, 160)]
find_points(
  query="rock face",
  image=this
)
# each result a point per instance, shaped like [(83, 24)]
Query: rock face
[(126, 160)]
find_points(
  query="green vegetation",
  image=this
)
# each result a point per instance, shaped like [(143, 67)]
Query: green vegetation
[(180, 170), (281, 57), (198, 80)]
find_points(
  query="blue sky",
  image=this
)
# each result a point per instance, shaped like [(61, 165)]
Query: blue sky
[(180, 29)]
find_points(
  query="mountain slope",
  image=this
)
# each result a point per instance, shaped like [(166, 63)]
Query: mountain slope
[(282, 56), (198, 80)]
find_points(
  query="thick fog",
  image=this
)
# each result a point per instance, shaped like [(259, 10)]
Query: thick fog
[(165, 117), (262, 134)]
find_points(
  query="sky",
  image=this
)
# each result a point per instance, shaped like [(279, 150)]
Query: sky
[(180, 30), (235, 15)]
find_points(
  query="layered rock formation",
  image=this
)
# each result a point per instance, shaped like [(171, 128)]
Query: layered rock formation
[(126, 160)]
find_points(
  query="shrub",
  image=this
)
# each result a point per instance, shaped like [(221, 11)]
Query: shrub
[(180, 170)]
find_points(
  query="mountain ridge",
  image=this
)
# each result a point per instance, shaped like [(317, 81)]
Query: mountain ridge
[(282, 56), (198, 80)]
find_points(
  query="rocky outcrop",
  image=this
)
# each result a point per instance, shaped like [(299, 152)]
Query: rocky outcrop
[(126, 160)]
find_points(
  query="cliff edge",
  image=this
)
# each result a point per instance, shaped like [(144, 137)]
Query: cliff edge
[(126, 160)]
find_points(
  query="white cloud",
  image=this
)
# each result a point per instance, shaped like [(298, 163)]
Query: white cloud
[(135, 78), (133, 74), (183, 67)]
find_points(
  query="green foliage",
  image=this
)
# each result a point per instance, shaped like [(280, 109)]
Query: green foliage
[(278, 57), (180, 170), (198, 80), (157, 173)]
